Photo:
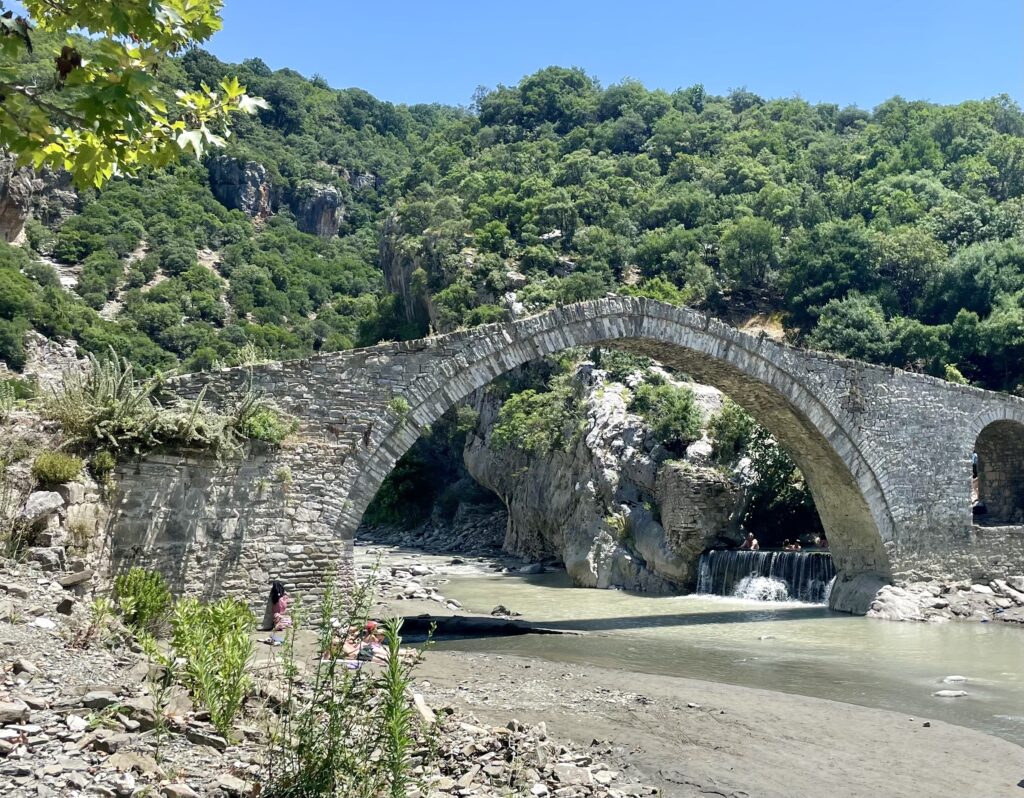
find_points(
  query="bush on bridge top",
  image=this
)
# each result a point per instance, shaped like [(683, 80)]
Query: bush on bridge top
[(105, 406)]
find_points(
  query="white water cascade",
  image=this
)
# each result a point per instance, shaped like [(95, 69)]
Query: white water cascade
[(767, 575)]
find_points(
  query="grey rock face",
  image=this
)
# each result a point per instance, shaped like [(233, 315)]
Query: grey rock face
[(596, 508), (16, 189), (319, 209), (244, 185)]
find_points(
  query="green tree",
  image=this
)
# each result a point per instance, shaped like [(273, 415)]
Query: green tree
[(112, 115), (749, 250)]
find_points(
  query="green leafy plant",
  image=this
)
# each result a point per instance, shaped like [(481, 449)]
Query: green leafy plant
[(400, 406), (670, 411), (161, 677), (56, 468), (214, 642), (540, 421), (344, 732), (618, 523), (143, 598), (102, 465), (106, 406), (263, 422), (730, 431), (113, 117)]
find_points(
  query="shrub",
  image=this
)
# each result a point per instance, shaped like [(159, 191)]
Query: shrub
[(670, 411), (56, 468), (539, 422), (730, 431), (399, 405), (265, 423), (144, 600), (102, 464), (350, 732), (214, 642)]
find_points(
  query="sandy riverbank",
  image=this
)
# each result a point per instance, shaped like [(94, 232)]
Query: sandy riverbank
[(698, 738)]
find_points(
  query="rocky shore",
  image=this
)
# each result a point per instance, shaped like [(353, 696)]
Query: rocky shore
[(79, 720), (1000, 601), (78, 717)]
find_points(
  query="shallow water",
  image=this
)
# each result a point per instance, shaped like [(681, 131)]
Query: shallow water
[(787, 646)]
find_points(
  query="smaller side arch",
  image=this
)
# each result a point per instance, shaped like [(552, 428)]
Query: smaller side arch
[(999, 469)]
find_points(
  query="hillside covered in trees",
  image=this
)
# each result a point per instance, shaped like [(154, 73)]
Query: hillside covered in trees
[(894, 235)]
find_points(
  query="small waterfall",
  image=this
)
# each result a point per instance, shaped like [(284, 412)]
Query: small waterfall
[(767, 575)]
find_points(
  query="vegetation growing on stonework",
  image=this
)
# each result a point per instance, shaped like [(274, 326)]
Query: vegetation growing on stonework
[(107, 406), (56, 468)]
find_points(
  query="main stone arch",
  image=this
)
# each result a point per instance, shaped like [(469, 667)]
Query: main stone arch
[(883, 451), (754, 372)]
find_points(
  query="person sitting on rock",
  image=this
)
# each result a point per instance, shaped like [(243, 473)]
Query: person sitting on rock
[(786, 545), (754, 545), (747, 541)]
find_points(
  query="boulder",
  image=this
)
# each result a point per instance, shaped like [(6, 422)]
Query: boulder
[(40, 505), (72, 579), (51, 558), (98, 699), (178, 790), (13, 711)]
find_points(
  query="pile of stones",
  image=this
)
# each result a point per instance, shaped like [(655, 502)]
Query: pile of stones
[(1001, 600), (521, 760)]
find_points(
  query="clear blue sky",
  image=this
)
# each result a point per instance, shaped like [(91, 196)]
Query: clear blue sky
[(849, 52)]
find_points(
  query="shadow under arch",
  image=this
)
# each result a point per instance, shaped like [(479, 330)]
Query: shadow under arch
[(760, 375), (999, 446)]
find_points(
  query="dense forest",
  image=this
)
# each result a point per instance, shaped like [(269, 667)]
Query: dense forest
[(894, 235)]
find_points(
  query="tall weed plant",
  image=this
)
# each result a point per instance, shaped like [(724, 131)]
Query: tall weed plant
[(144, 600), (215, 644), (342, 732)]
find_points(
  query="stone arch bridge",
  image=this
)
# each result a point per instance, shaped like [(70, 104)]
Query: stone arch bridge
[(886, 453)]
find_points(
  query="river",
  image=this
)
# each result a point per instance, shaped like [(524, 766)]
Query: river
[(784, 646)]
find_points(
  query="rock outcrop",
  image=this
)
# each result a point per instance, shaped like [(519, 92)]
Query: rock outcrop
[(17, 185), (242, 185), (319, 209), (615, 509)]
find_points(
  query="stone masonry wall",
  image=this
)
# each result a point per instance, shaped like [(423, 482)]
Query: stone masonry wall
[(885, 453)]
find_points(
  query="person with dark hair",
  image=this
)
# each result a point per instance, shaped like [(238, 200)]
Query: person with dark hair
[(279, 601)]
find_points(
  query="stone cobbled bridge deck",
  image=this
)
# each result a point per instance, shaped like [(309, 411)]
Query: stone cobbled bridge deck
[(886, 453)]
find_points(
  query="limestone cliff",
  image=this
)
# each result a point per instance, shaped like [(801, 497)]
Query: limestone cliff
[(319, 208), (615, 509), (16, 189), (244, 185)]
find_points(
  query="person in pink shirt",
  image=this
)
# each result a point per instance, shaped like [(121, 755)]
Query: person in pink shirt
[(279, 601)]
